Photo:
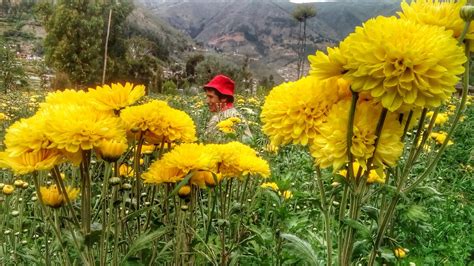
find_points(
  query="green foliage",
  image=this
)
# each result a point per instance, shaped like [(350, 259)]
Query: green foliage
[(75, 41), (169, 87), (214, 65), (12, 74)]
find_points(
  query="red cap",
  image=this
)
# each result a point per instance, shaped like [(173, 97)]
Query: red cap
[(222, 84)]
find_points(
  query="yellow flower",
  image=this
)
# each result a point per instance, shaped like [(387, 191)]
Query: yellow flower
[(66, 97), (18, 183), (400, 253), (294, 111), (236, 159), (443, 13), (240, 101), (160, 122), (115, 97), (184, 191), (271, 148), (330, 148), (227, 125), (26, 135), (52, 197), (327, 66), (43, 159), (180, 161), (374, 176), (271, 185), (3, 117), (111, 150), (75, 128), (8, 189), (441, 118), (203, 178), (440, 137), (400, 62), (287, 194), (148, 149), (126, 170)]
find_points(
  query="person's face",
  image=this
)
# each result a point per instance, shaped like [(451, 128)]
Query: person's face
[(215, 104)]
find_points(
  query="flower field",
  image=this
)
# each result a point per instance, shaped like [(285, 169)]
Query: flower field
[(366, 160)]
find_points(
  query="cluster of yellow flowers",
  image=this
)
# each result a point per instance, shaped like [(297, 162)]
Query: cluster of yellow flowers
[(227, 125), (207, 164), (71, 121), (390, 66)]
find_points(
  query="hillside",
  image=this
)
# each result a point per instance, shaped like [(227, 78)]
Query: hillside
[(264, 30)]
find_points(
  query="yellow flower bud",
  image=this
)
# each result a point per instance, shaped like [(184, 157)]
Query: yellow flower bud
[(184, 191), (8, 189), (400, 253)]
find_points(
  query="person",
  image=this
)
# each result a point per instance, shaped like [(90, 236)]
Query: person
[(220, 100)]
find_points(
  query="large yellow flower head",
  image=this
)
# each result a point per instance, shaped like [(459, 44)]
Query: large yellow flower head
[(293, 111), (52, 197), (66, 97), (26, 135), (177, 163), (75, 128), (177, 126), (403, 63), (116, 96), (439, 13), (236, 159), (145, 117), (330, 148), (325, 66), (43, 159)]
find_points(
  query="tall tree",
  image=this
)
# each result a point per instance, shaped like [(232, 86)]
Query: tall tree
[(75, 39), (302, 13)]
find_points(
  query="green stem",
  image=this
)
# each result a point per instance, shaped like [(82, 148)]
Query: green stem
[(136, 169), (326, 214)]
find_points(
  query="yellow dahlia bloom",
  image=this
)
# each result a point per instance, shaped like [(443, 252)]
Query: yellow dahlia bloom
[(75, 128), (236, 159), (148, 149), (402, 63), (159, 122), (442, 13), (111, 150), (327, 66), (180, 161), (28, 134), (271, 185), (66, 97), (52, 197), (27, 162), (294, 111), (115, 97), (143, 117), (330, 147)]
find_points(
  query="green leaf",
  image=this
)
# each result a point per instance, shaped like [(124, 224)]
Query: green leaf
[(303, 248), (359, 227), (143, 242)]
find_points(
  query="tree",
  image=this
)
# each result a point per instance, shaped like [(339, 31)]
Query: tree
[(12, 74), (214, 65), (302, 13), (75, 39), (191, 64)]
